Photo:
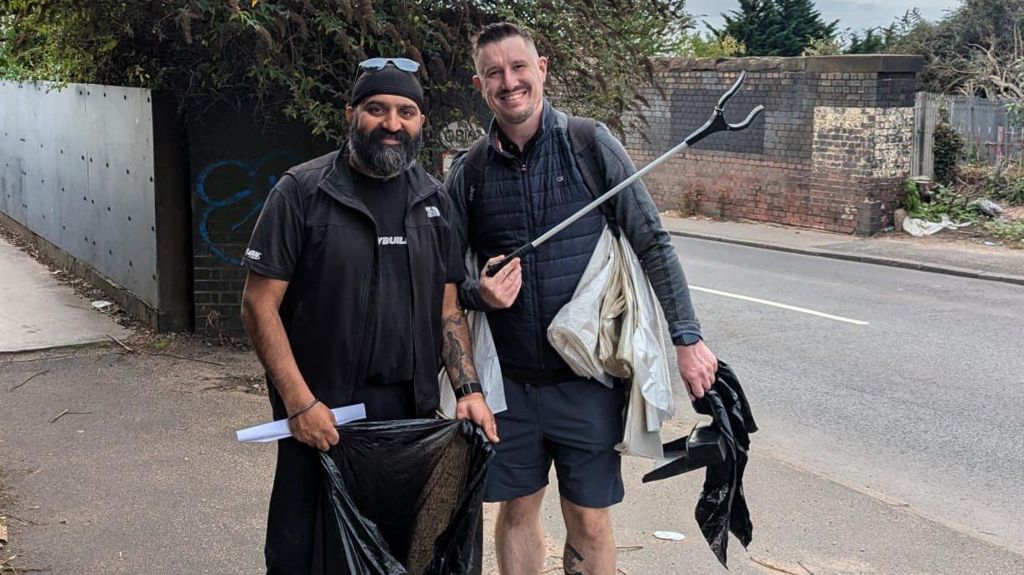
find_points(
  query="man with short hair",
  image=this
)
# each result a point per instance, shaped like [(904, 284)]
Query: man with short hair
[(350, 296), (532, 181)]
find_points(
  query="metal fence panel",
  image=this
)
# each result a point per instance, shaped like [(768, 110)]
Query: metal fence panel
[(984, 124), (926, 116), (78, 170)]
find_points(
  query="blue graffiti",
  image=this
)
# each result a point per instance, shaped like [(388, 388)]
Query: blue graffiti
[(247, 193)]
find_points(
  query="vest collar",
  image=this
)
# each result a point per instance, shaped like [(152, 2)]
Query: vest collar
[(548, 121)]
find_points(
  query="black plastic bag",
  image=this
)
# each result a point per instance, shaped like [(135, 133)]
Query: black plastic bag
[(722, 506), (722, 447), (402, 497)]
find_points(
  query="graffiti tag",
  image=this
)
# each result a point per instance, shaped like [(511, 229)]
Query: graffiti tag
[(234, 192)]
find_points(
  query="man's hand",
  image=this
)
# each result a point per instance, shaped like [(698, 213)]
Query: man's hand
[(474, 408), (500, 291), (316, 427), (697, 366)]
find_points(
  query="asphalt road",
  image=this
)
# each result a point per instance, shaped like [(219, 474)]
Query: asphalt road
[(911, 393)]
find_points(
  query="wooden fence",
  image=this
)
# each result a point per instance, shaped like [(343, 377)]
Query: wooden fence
[(984, 124)]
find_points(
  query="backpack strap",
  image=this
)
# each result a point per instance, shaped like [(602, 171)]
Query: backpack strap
[(473, 169), (583, 137)]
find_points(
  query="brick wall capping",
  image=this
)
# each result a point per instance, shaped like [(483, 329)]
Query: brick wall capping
[(866, 63), (852, 63), (751, 64)]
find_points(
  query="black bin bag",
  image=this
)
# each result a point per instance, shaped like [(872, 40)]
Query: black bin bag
[(722, 506), (722, 448), (402, 497)]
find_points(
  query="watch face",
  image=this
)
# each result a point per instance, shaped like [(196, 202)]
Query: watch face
[(689, 338)]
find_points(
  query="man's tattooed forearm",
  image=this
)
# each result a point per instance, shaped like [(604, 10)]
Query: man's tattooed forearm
[(454, 351), (571, 560)]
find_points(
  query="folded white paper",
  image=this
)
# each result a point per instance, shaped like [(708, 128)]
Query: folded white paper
[(279, 429)]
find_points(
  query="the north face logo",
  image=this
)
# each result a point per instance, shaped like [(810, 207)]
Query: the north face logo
[(433, 212), (253, 254), (391, 241)]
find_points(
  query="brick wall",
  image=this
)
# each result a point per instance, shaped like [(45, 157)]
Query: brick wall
[(234, 162), (836, 136)]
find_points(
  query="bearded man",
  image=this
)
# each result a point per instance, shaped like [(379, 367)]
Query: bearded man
[(350, 296)]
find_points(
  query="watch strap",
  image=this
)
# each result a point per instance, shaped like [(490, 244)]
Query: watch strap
[(686, 338), (468, 388)]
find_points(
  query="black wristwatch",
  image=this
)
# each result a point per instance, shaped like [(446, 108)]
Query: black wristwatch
[(468, 388), (687, 338)]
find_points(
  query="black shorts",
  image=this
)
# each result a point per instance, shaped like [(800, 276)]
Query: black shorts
[(576, 424)]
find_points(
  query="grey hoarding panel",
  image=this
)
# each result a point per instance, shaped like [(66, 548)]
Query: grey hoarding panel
[(78, 170)]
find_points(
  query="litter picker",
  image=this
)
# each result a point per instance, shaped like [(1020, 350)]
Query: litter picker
[(714, 125)]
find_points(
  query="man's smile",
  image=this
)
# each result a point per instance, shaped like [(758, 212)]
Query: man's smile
[(513, 96)]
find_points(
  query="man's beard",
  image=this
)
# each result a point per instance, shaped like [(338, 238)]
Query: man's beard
[(379, 159)]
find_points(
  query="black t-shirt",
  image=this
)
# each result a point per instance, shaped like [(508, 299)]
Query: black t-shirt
[(392, 357)]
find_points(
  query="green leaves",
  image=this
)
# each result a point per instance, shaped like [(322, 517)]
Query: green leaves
[(948, 147), (298, 58), (776, 27), (976, 49)]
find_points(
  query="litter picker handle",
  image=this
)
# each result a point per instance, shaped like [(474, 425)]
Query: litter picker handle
[(521, 252), (716, 123)]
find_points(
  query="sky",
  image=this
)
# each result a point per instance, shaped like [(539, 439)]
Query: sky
[(854, 14)]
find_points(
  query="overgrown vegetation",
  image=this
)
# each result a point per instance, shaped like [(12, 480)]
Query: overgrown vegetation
[(881, 39), (944, 201), (707, 45), (823, 47), (965, 199), (1011, 232), (948, 150), (297, 58), (976, 49), (1002, 184)]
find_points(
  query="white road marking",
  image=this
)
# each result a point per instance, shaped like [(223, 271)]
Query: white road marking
[(781, 305)]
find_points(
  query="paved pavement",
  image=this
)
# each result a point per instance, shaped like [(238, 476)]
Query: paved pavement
[(38, 312), (120, 462), (142, 475)]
